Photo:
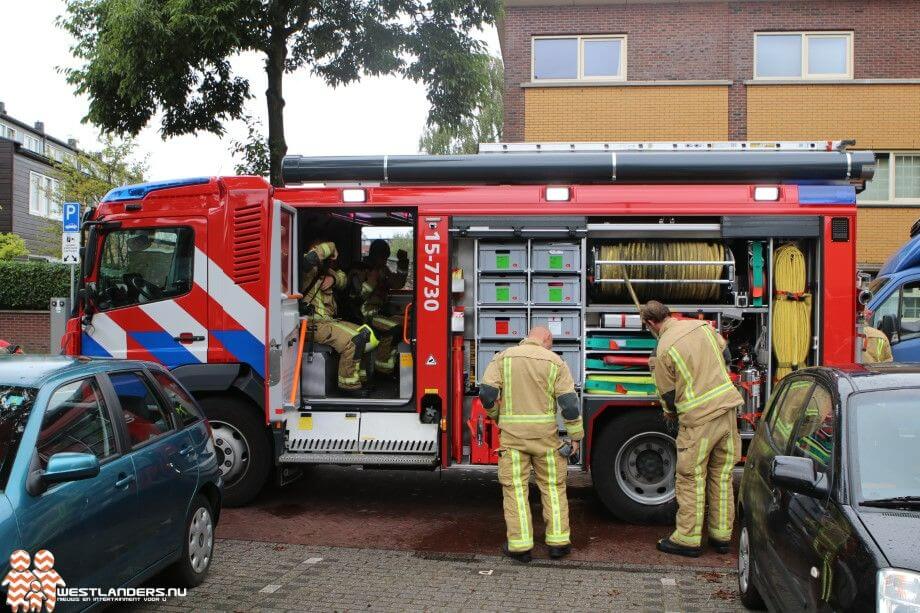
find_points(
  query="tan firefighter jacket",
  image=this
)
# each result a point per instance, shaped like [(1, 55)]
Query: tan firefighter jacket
[(530, 378), (322, 300), (689, 362), (876, 347)]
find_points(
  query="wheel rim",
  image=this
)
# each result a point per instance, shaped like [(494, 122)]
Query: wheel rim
[(232, 451), (744, 561), (644, 468), (200, 540)]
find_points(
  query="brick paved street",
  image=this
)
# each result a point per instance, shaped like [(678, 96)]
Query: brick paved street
[(253, 576)]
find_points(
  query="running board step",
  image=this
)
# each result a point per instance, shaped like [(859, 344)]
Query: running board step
[(359, 458)]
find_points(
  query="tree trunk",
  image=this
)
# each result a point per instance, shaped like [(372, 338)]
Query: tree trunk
[(274, 68)]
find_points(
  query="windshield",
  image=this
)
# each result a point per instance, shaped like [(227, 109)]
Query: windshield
[(15, 406), (885, 434)]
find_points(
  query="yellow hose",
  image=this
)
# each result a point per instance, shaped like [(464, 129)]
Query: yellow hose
[(663, 251), (791, 310)]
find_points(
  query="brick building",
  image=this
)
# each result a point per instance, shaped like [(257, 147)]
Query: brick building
[(29, 192), (688, 70)]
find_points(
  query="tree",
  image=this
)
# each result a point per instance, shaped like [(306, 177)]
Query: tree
[(144, 56), (484, 125), (86, 177), (251, 153)]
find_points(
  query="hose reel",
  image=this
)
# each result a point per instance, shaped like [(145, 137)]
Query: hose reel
[(690, 272)]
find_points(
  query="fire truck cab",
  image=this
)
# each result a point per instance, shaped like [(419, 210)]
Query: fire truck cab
[(203, 275)]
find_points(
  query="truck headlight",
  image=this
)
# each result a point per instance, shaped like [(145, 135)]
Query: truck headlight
[(898, 591)]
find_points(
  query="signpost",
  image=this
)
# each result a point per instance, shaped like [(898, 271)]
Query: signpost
[(70, 240)]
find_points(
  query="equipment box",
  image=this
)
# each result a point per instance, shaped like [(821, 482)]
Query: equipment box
[(484, 355), (502, 257), (510, 325), (556, 257), (571, 354), (556, 290), (502, 290), (565, 325)]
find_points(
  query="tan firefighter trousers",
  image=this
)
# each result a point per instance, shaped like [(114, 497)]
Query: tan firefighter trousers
[(706, 455), (385, 360), (516, 458), (339, 334)]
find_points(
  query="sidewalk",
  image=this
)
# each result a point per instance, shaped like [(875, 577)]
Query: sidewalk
[(253, 576)]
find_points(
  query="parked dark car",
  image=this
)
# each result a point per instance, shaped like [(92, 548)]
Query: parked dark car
[(830, 498), (108, 475)]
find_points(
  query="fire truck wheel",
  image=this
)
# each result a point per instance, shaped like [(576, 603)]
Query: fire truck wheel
[(632, 467), (243, 447)]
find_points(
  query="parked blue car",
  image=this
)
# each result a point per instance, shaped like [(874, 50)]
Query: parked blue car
[(108, 469)]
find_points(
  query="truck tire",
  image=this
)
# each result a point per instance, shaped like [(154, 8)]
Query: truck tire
[(243, 447), (633, 459)]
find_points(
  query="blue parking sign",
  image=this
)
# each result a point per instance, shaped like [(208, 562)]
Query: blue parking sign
[(71, 217)]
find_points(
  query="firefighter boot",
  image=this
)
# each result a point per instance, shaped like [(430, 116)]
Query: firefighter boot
[(668, 546), (521, 556), (559, 551), (720, 546)]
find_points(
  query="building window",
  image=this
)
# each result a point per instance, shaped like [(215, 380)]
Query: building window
[(7, 131), (44, 196), (896, 180), (32, 143), (803, 55), (573, 58)]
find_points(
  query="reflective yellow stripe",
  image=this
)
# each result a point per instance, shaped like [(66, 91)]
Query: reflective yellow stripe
[(557, 539), (880, 346), (700, 488), (711, 335), (520, 544), (684, 372), (506, 391), (725, 482), (520, 497), (683, 407), (575, 427), (553, 492), (550, 387), (528, 419)]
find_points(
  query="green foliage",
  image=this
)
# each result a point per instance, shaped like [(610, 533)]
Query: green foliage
[(88, 176), (30, 285), (12, 246), (483, 126), (251, 154), (141, 57)]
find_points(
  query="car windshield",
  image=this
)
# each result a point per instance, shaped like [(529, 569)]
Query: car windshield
[(885, 434), (15, 406)]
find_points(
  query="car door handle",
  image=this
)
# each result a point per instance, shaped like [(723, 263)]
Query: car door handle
[(187, 450), (188, 337), (124, 480)]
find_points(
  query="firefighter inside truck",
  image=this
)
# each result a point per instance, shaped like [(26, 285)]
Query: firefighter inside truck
[(375, 250)]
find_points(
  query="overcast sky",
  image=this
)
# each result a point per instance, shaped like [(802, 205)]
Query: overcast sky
[(381, 115)]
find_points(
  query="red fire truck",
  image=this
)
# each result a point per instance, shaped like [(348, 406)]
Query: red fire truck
[(202, 276)]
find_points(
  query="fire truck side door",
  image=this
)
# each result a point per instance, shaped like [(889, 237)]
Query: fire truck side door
[(151, 292), (283, 311)]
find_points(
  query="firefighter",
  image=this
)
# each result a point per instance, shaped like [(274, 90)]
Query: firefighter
[(319, 281), (695, 388), (373, 281), (876, 347), (520, 389)]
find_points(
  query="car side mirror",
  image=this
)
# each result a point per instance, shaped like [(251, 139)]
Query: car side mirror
[(799, 475), (889, 326), (69, 466)]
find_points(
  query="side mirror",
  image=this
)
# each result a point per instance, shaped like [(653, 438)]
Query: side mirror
[(799, 475), (69, 466), (889, 326)]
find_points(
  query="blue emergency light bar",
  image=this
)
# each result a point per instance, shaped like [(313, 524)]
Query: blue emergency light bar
[(138, 191)]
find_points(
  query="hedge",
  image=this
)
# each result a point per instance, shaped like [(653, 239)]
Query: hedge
[(30, 285)]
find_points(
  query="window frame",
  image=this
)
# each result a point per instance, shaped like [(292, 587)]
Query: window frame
[(893, 199), (788, 382), (116, 421), (151, 385), (46, 200), (795, 451), (177, 227), (804, 74), (579, 57)]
